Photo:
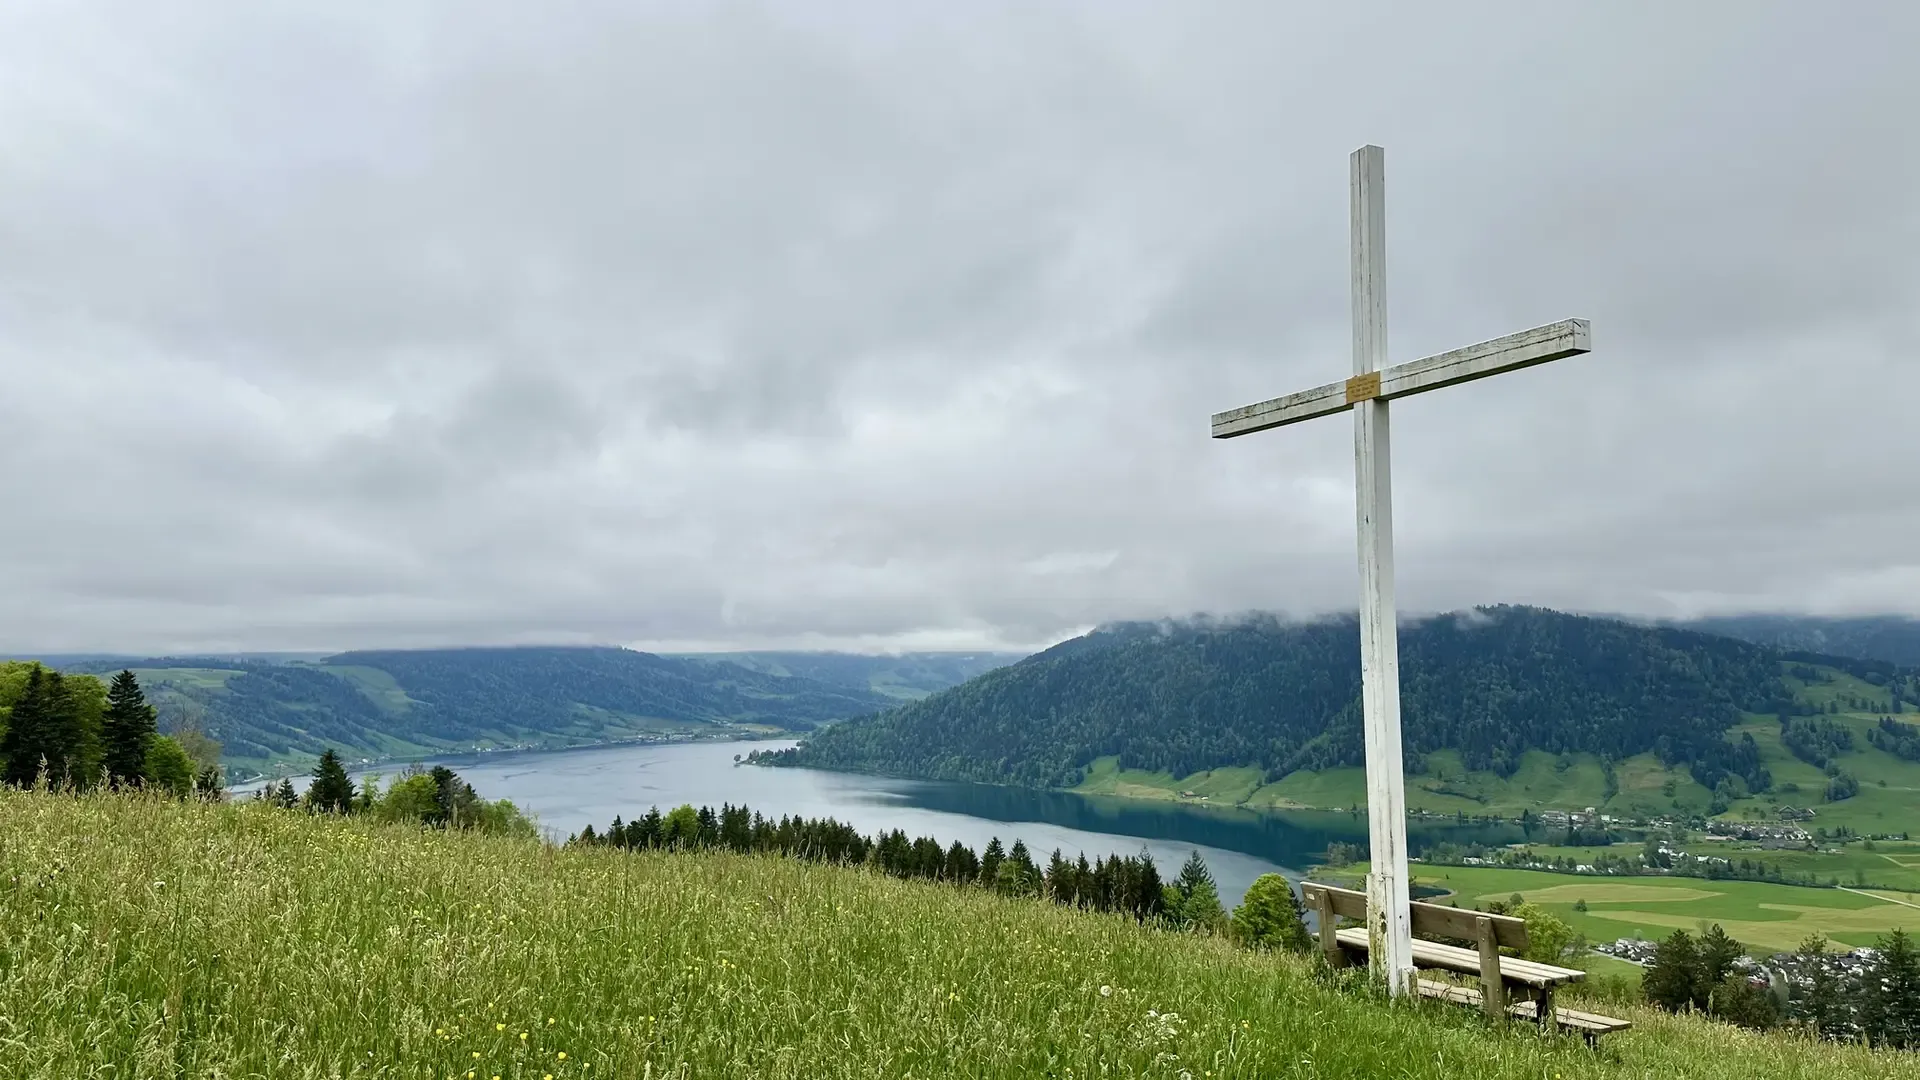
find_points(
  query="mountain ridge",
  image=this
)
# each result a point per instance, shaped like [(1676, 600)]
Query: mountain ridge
[(1482, 690), (387, 704)]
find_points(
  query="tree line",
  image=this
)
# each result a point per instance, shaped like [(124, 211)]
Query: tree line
[(1875, 1000), (1269, 916), (436, 798), (71, 731), (1900, 740)]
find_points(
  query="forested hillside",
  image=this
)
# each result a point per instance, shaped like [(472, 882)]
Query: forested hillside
[(1891, 638), (1178, 698), (399, 704), (907, 676)]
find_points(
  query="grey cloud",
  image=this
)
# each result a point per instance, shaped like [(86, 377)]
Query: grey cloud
[(328, 326)]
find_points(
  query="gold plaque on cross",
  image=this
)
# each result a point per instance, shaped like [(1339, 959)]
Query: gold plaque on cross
[(1363, 387)]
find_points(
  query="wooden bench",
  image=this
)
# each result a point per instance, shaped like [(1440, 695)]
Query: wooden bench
[(1501, 977)]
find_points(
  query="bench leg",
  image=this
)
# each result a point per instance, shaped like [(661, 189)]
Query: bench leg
[(1493, 989), (1543, 1007), (1329, 944)]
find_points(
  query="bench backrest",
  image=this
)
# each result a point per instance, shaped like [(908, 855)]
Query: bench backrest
[(1429, 920)]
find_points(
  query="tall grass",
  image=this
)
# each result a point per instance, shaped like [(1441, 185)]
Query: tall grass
[(144, 938)]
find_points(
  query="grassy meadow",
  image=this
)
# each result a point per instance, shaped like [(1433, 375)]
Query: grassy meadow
[(1767, 918), (145, 938)]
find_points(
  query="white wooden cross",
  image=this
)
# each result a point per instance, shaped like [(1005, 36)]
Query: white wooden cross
[(1367, 393)]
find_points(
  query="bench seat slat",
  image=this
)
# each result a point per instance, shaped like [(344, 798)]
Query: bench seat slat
[(1432, 954), (1583, 1022)]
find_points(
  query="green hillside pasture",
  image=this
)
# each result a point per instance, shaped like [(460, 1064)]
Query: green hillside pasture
[(1841, 688), (1646, 787), (235, 940), (1766, 918), (380, 687), (185, 678), (1889, 797), (1229, 787)]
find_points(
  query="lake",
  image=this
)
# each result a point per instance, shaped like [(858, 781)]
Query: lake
[(568, 789)]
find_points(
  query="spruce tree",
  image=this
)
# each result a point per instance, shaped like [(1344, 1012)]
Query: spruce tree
[(1193, 900), (1712, 964), (26, 731), (44, 730), (126, 731), (1144, 900), (1826, 1011), (1669, 980), (990, 861), (331, 790), (1892, 1005)]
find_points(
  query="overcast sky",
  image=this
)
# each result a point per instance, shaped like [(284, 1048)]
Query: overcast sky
[(330, 325)]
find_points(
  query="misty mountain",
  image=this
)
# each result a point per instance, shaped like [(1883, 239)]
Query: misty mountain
[(1892, 638), (381, 704), (906, 676)]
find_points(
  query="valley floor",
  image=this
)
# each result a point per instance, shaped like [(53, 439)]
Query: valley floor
[(149, 938)]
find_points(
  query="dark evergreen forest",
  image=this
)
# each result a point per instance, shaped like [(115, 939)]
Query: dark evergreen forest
[(1492, 684)]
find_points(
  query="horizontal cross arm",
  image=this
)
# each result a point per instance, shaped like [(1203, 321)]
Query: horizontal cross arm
[(1569, 337)]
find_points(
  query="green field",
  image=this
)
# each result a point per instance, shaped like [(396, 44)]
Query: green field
[(1445, 787), (1891, 864), (147, 938), (1767, 918)]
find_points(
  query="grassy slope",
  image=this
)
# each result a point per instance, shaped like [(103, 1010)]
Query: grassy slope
[(238, 941)]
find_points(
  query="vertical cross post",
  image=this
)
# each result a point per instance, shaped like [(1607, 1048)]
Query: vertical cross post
[(1389, 928)]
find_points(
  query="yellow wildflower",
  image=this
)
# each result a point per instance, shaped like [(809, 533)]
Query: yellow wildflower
[(499, 1027), (561, 1056)]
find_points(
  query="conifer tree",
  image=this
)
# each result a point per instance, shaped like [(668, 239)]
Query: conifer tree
[(1146, 899), (26, 731), (1192, 899), (331, 790), (1892, 1001), (1713, 963), (1669, 980), (44, 730), (1826, 1012), (126, 731), (990, 861)]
